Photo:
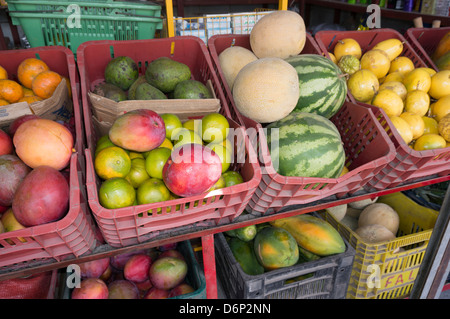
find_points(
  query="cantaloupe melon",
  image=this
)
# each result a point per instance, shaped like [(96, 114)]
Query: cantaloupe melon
[(278, 34), (232, 60), (381, 214), (338, 212), (374, 233), (266, 90)]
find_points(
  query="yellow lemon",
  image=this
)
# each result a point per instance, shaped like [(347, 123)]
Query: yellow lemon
[(347, 46), (403, 128), (440, 108), (332, 57), (397, 87), (394, 76), (389, 101), (431, 125), (401, 64), (429, 70), (417, 102), (429, 142), (363, 85), (376, 61), (417, 79), (393, 47), (440, 84), (444, 127), (415, 122)]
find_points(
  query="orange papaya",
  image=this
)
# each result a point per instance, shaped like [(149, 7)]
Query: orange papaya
[(443, 63), (313, 234), (442, 48), (275, 248)]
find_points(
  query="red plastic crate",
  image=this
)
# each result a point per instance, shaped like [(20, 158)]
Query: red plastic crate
[(71, 236), (408, 163), (326, 41), (61, 60), (368, 150), (425, 41), (217, 43), (366, 154), (123, 227)]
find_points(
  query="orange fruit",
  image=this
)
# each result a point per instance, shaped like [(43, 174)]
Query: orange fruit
[(3, 73), (429, 142), (172, 122), (224, 154), (401, 64), (28, 69), (3, 102), (103, 142), (184, 136), (417, 79), (155, 161), (11, 91), (30, 99), (344, 171), (138, 174), (232, 178), (417, 102), (431, 125), (440, 84), (215, 127), (153, 190), (45, 83), (194, 125), (345, 47), (403, 128), (27, 91), (134, 155), (389, 101), (219, 184), (415, 122), (112, 162), (376, 61), (116, 192), (440, 108), (167, 144)]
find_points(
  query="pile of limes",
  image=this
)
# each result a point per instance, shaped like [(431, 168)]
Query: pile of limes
[(415, 99), (132, 178)]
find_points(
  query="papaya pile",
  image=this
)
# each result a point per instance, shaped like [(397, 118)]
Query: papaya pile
[(34, 82), (283, 243), (441, 55), (416, 99)]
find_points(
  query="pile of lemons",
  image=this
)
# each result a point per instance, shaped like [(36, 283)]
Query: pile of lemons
[(416, 99)]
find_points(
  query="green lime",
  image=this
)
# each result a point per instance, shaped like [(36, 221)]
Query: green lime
[(155, 161), (116, 192)]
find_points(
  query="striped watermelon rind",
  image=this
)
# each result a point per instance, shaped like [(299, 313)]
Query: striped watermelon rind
[(306, 145), (323, 87)]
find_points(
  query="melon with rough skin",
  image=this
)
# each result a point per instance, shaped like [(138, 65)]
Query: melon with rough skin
[(266, 90), (380, 214), (232, 60), (278, 34)]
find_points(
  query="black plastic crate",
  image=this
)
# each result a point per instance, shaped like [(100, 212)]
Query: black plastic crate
[(329, 280)]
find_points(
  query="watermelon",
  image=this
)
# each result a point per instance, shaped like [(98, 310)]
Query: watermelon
[(323, 86), (306, 145)]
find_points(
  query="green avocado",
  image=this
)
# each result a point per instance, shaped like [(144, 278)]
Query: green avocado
[(110, 91), (147, 91), (133, 87), (121, 71), (191, 89), (165, 73)]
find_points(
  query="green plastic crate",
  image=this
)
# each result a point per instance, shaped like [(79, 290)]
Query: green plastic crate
[(70, 23)]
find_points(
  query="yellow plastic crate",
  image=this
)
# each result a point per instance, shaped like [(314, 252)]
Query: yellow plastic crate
[(388, 270)]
